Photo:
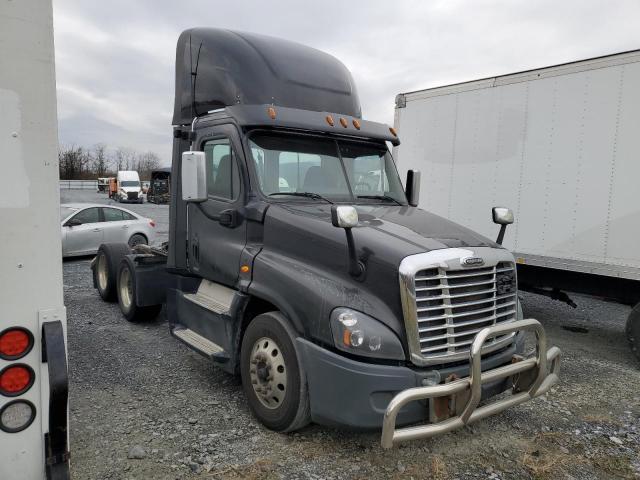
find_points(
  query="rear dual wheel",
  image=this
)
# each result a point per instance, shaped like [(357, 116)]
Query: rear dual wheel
[(105, 269), (127, 296)]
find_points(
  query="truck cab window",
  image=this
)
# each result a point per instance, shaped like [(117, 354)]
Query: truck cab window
[(223, 177), (287, 164)]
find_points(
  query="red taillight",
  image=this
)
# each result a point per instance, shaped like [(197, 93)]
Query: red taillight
[(15, 380), (15, 343), (152, 223)]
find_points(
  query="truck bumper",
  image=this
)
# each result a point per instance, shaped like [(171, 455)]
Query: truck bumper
[(358, 395)]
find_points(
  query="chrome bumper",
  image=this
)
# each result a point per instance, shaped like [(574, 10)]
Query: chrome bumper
[(470, 388)]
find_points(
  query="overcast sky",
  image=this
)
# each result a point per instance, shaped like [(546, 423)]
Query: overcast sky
[(115, 59)]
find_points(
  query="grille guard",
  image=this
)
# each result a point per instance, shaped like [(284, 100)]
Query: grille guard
[(544, 379)]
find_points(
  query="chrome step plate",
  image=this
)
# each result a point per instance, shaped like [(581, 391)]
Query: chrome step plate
[(197, 341), (212, 296)]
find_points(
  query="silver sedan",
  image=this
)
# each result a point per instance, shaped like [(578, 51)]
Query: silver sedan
[(85, 226)]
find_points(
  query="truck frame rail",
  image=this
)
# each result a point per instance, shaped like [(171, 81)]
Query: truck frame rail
[(532, 378)]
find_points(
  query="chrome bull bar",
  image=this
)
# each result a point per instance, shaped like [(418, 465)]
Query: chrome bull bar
[(543, 381)]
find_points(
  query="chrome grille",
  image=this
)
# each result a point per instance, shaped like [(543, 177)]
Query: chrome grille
[(454, 305)]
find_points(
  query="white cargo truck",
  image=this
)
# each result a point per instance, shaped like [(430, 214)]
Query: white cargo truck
[(33, 363), (561, 147)]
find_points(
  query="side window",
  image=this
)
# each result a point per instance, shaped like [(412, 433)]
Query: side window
[(128, 216), (112, 215), (223, 177), (90, 215)]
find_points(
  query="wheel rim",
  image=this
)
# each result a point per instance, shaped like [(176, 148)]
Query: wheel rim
[(268, 372), (103, 273), (126, 288)]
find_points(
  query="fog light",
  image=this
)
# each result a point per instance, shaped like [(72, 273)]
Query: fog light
[(431, 378), (16, 416)]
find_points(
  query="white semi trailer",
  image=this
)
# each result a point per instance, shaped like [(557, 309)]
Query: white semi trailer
[(33, 363), (561, 147)]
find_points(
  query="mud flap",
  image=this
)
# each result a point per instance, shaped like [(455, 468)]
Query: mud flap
[(56, 447)]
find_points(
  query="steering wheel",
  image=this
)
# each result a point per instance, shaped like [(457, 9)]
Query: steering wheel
[(366, 186)]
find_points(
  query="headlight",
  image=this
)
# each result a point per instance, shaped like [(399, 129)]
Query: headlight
[(359, 334)]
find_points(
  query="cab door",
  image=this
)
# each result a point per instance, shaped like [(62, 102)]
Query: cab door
[(217, 228)]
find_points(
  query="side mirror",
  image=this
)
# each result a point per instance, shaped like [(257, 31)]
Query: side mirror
[(412, 187), (346, 216), (73, 223), (193, 174), (502, 216)]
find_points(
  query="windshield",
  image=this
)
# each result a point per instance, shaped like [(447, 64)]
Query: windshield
[(129, 183), (66, 211), (340, 170)]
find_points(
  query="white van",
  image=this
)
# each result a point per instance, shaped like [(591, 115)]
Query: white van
[(129, 187)]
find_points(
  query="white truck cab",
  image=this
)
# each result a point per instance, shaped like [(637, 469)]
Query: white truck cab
[(129, 187)]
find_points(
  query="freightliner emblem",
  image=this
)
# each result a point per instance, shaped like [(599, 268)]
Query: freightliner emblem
[(471, 261)]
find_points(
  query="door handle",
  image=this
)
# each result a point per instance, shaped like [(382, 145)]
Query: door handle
[(97, 229), (125, 226), (229, 218)]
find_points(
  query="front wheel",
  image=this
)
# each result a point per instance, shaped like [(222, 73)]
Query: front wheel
[(273, 378), (127, 297), (633, 330)]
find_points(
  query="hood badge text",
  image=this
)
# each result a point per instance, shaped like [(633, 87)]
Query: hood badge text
[(471, 261)]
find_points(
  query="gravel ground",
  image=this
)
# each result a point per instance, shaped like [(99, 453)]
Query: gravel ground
[(145, 406)]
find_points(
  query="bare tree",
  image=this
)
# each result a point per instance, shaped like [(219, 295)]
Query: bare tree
[(99, 160), (124, 159), (73, 162), (145, 163)]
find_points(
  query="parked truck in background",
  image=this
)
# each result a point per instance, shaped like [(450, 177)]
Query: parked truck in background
[(160, 186), (33, 361), (297, 260), (128, 187), (559, 144)]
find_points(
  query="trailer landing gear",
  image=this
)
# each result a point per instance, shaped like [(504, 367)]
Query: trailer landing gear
[(633, 330)]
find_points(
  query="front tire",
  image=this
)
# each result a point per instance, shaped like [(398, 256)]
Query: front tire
[(633, 330), (273, 378), (127, 297), (105, 270)]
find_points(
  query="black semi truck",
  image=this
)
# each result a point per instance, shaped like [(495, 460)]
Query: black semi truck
[(297, 260)]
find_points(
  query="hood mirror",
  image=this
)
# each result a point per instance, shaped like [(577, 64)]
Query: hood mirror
[(346, 216), (193, 174), (502, 216), (412, 187)]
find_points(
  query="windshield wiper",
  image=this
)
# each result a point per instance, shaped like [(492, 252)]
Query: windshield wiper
[(380, 197), (315, 196)]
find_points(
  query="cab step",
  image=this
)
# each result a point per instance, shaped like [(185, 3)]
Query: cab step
[(212, 296), (200, 344)]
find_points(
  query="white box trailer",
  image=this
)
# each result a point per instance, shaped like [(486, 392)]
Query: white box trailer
[(561, 147), (33, 362)]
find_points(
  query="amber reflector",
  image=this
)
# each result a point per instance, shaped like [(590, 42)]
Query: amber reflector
[(393, 131), (272, 113), (343, 122), (356, 124), (244, 268), (15, 380), (14, 343), (329, 120)]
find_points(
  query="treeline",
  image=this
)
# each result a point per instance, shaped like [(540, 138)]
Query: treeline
[(81, 163)]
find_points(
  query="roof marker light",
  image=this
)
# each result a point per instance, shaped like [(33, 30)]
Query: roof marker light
[(356, 124), (329, 120), (343, 122), (393, 131), (272, 113)]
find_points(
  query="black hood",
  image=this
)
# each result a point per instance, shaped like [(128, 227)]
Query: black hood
[(388, 231), (304, 259)]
